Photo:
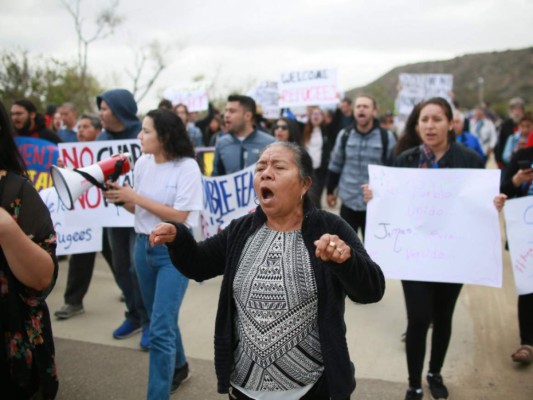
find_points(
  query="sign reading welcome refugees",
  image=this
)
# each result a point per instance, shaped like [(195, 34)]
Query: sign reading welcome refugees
[(414, 88), (308, 87), (226, 198), (519, 226), (436, 225), (92, 206), (38, 155)]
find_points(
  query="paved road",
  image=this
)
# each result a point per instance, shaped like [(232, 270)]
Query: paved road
[(92, 365)]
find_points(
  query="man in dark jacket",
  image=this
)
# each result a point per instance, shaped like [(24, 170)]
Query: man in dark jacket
[(118, 113)]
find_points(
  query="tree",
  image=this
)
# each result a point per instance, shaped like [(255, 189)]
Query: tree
[(106, 21), (148, 65), (45, 81)]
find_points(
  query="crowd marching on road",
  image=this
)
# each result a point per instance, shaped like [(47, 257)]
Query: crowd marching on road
[(286, 266)]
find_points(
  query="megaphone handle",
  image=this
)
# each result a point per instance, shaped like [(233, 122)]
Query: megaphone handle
[(91, 179), (118, 171)]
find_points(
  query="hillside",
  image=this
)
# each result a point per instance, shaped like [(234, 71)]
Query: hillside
[(506, 74)]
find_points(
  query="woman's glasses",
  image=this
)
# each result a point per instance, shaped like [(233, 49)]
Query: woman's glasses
[(282, 127)]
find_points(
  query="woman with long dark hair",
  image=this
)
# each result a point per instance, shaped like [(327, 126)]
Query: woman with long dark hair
[(28, 271), (432, 302), (168, 187)]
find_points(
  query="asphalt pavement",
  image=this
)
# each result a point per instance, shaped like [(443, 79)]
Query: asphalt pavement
[(93, 365)]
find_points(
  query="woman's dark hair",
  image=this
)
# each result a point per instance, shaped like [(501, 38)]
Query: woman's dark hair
[(172, 134), (295, 135), (208, 133), (301, 158), (10, 158), (448, 112), (410, 137)]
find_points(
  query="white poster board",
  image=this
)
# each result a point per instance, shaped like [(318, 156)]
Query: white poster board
[(437, 225), (91, 209), (193, 94), (308, 87), (70, 239), (226, 198), (265, 93), (519, 227), (414, 88)]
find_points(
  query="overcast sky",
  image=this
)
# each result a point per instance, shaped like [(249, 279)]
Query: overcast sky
[(238, 42)]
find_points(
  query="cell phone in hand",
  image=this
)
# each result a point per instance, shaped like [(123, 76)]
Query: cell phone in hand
[(525, 164)]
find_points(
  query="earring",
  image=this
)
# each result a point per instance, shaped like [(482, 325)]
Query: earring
[(256, 201)]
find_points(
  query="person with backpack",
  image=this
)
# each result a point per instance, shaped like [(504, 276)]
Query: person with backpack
[(356, 147)]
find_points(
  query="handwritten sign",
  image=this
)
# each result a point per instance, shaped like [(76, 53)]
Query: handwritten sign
[(414, 88), (193, 94), (265, 93), (226, 198), (435, 225), (91, 206), (519, 227), (308, 87), (38, 155), (70, 239)]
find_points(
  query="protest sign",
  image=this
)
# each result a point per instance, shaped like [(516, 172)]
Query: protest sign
[(38, 155), (91, 208), (205, 157), (436, 225), (225, 198), (193, 94), (265, 93), (519, 227), (414, 88), (308, 87), (70, 239)]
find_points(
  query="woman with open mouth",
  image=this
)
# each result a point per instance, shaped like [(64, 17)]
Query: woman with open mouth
[(287, 268)]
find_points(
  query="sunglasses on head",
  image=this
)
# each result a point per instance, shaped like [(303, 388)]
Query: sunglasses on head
[(283, 127)]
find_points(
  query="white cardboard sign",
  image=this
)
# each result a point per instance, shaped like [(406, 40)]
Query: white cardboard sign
[(437, 225)]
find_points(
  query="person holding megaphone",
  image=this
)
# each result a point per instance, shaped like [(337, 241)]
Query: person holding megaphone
[(167, 188)]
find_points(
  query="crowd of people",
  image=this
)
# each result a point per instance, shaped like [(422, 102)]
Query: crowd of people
[(286, 268)]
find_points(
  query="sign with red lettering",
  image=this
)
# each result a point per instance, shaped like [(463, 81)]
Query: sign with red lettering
[(193, 95), (38, 155), (91, 208), (308, 87), (70, 239)]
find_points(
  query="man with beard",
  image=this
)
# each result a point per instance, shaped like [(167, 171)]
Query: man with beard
[(27, 122), (241, 148), (356, 147)]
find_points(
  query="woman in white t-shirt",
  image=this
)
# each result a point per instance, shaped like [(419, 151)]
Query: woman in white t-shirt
[(167, 188)]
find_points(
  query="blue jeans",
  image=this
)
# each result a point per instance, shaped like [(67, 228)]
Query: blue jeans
[(121, 241), (163, 288)]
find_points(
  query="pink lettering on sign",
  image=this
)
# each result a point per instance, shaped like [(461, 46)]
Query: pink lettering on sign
[(523, 260), (310, 95)]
